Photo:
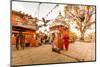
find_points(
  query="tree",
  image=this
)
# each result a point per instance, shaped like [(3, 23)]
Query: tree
[(81, 15)]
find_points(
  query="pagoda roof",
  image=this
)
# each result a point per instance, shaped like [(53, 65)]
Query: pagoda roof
[(59, 21)]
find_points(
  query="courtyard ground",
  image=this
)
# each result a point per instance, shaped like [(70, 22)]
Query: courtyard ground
[(78, 51)]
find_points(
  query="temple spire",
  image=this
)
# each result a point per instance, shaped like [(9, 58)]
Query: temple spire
[(60, 13)]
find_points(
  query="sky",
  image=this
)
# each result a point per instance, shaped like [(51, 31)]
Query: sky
[(32, 8)]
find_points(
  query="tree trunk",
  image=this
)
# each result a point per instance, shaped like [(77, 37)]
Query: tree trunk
[(82, 31), (82, 36)]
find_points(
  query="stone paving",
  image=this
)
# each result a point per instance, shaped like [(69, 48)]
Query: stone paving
[(78, 51)]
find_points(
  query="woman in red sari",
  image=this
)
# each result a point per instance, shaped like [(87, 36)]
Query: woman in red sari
[(66, 39)]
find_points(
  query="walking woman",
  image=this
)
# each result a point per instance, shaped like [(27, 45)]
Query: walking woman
[(66, 39)]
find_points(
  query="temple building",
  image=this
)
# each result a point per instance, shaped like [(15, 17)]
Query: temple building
[(59, 27), (25, 24)]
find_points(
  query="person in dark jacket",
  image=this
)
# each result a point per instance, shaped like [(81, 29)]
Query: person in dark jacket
[(20, 40)]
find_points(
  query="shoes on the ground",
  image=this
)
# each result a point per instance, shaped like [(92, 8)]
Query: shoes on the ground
[(56, 50)]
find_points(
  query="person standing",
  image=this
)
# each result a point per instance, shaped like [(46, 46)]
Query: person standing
[(60, 41), (66, 40), (20, 40), (55, 44)]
